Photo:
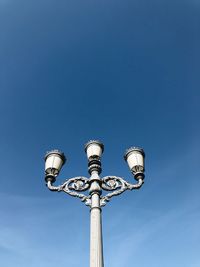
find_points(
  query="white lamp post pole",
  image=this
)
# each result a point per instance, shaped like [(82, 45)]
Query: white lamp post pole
[(96, 244), (75, 187)]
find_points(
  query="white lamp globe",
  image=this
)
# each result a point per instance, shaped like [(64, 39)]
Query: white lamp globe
[(54, 160), (135, 159), (94, 149)]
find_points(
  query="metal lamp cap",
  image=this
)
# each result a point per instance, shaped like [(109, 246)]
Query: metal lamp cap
[(57, 152), (91, 142), (133, 149)]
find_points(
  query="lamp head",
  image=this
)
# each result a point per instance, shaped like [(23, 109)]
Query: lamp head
[(135, 159), (54, 160), (94, 149)]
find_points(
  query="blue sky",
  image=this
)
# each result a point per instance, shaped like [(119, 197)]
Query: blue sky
[(127, 73)]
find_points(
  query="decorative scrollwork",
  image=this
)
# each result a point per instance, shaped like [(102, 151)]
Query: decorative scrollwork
[(117, 185), (72, 187)]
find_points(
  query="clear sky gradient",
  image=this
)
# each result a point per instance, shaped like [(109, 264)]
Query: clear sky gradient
[(127, 73)]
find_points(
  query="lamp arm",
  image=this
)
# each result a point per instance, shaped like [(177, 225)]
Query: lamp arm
[(117, 185), (73, 187)]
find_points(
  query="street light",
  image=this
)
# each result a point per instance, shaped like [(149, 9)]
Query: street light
[(54, 160)]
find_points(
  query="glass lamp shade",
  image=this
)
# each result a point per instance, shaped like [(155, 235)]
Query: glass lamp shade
[(94, 149), (135, 159), (54, 160)]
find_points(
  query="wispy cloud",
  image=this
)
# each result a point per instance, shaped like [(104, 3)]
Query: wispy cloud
[(28, 233), (177, 224)]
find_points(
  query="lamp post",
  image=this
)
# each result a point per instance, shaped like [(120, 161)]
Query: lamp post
[(54, 160)]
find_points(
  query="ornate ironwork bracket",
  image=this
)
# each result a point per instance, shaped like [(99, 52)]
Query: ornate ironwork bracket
[(117, 185), (73, 187)]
